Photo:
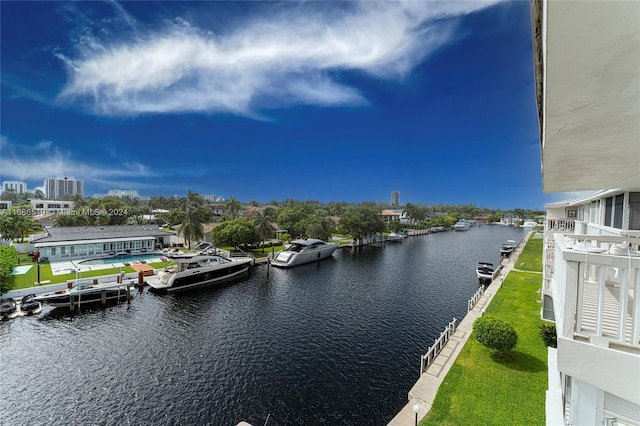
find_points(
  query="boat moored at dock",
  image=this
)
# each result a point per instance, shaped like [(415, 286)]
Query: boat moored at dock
[(303, 251), (190, 272), (395, 238), (86, 293), (8, 309), (486, 272), (507, 248), (461, 225)]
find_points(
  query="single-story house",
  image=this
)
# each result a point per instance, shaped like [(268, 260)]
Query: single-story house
[(71, 242)]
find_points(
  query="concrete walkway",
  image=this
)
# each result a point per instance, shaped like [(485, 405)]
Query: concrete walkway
[(423, 393)]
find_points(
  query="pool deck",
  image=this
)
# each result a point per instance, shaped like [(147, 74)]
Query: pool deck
[(61, 267)]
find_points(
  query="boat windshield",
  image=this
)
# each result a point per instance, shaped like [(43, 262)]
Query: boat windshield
[(81, 286)]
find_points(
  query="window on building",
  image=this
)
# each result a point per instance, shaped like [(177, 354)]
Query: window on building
[(594, 211), (634, 211), (608, 209), (617, 211)]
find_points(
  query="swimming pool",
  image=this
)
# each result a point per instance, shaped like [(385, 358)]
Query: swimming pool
[(122, 258)]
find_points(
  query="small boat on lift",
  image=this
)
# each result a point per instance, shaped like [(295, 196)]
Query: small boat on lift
[(86, 293)]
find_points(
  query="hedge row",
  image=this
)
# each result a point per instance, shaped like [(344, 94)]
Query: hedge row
[(8, 259)]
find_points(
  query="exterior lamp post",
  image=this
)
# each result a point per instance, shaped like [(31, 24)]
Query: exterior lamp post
[(416, 409)]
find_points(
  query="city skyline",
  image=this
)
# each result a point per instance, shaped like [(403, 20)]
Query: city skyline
[(269, 101)]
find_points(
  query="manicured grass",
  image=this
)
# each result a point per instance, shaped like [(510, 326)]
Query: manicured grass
[(483, 388), (531, 257), (27, 280)]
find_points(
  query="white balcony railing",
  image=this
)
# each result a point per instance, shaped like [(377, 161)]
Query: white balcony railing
[(594, 292), (560, 225)]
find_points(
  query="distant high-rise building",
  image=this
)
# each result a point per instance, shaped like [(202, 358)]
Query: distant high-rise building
[(212, 198), (132, 193), (61, 186), (16, 186), (395, 198)]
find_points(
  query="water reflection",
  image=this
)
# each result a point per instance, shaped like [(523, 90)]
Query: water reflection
[(336, 342)]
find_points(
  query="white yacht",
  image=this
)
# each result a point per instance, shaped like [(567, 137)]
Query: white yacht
[(303, 251), (461, 225), (190, 272), (395, 238)]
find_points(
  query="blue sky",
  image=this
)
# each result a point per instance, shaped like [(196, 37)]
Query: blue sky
[(329, 101)]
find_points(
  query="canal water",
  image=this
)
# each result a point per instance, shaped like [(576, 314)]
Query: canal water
[(332, 343)]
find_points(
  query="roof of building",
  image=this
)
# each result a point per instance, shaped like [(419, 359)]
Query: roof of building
[(79, 233)]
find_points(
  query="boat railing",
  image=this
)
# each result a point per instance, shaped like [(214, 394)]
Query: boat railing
[(438, 345)]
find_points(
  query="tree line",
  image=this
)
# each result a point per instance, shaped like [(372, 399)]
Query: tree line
[(292, 218)]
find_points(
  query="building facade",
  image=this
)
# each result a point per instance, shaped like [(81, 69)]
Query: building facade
[(131, 193), (76, 242), (47, 207), (15, 186), (63, 186), (586, 58), (395, 199)]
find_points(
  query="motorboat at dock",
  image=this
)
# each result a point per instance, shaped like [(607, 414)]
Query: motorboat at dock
[(303, 251), (486, 272), (507, 248), (395, 238), (461, 225), (8, 309), (190, 272), (29, 306), (86, 293)]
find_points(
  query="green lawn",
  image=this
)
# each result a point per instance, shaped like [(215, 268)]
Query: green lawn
[(531, 257), (27, 280), (484, 389)]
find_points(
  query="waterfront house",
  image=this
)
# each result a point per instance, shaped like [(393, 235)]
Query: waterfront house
[(47, 207), (73, 242), (586, 58)]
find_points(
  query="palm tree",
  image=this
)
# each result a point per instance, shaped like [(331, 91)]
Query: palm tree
[(263, 226), (232, 207), (191, 229), (191, 201)]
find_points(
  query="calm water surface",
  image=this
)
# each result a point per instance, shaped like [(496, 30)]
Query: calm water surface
[(332, 343)]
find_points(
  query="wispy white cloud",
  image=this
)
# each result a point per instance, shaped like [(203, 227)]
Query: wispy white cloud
[(286, 59), (45, 160)]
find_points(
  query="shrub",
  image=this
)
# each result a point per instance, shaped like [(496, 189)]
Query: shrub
[(8, 259), (495, 334), (548, 334)]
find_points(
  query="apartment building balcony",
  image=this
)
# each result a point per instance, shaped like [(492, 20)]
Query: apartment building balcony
[(597, 311)]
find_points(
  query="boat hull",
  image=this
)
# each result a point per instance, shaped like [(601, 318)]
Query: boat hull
[(485, 272), (8, 309), (190, 279), (287, 259), (86, 297)]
